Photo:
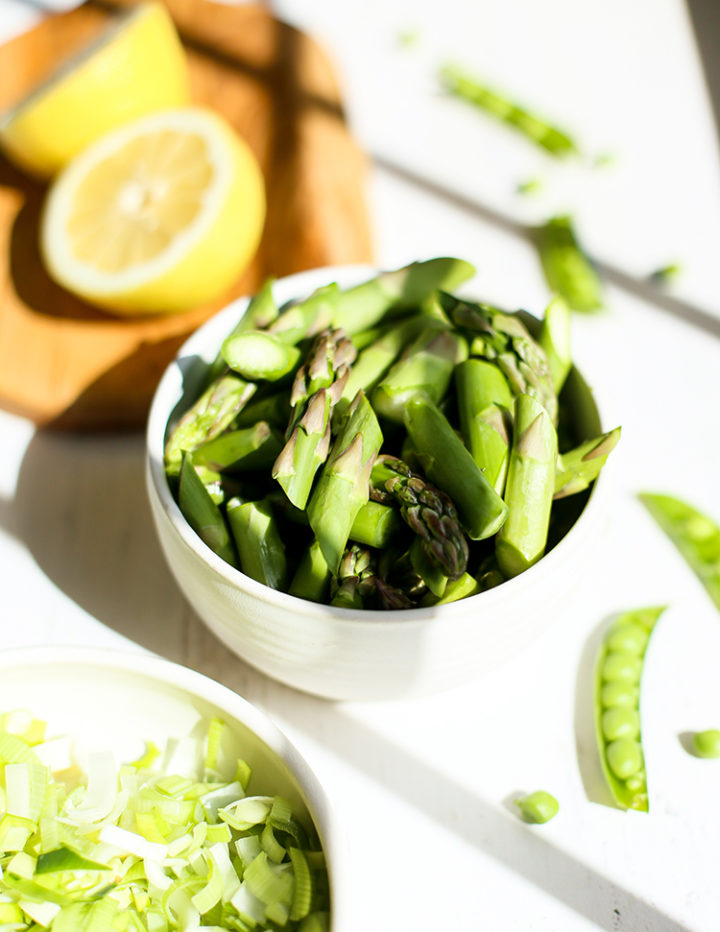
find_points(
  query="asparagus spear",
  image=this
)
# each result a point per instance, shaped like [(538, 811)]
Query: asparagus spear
[(427, 569), (312, 577), (207, 418), (346, 587), (375, 525), (577, 468), (429, 513), (555, 341), (364, 305), (504, 339), (529, 488), (240, 450), (484, 405), (457, 589), (567, 269), (259, 314), (447, 462), (468, 88), (202, 514), (271, 408), (375, 360), (343, 486), (255, 354), (426, 366), (308, 317), (316, 388), (258, 541)]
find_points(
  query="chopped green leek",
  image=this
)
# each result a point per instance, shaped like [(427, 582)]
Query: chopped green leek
[(138, 849)]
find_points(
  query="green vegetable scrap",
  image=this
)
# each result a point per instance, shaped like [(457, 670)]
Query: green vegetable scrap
[(141, 848), (550, 138), (389, 445), (706, 743), (667, 274), (695, 535), (568, 271), (538, 807), (617, 706)]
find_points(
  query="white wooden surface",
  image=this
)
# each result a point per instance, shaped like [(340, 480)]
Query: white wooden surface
[(423, 787)]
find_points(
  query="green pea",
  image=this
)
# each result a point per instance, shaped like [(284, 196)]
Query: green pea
[(624, 757), (636, 783), (698, 528), (630, 638), (706, 743), (639, 802), (538, 806), (619, 692), (621, 665), (621, 722)]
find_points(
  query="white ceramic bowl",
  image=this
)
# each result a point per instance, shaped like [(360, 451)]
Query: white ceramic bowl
[(343, 653), (110, 700)]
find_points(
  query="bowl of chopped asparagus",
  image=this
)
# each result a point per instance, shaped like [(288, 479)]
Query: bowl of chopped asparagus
[(370, 487)]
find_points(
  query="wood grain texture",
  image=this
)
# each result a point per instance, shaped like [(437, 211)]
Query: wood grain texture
[(67, 364)]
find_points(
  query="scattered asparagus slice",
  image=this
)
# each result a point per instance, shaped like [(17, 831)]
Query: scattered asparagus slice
[(259, 314), (504, 339), (207, 418), (425, 367), (344, 484), (567, 269), (240, 450), (429, 513), (202, 514), (548, 137), (258, 542), (375, 525), (555, 341), (255, 354), (365, 305), (485, 404), (529, 488), (447, 462), (577, 468), (695, 535), (312, 577)]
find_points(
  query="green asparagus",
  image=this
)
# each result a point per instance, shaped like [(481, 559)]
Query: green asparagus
[(255, 355), (240, 450), (259, 314), (202, 514), (555, 341), (529, 489), (567, 269), (485, 404), (258, 542), (577, 468), (312, 577)]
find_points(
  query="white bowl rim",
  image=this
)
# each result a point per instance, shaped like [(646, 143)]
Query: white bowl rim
[(163, 404)]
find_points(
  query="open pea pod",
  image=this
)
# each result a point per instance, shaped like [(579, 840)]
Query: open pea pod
[(618, 673)]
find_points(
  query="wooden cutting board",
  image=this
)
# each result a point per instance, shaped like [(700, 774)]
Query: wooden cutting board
[(67, 364)]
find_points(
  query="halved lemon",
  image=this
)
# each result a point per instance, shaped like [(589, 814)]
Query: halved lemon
[(161, 215), (136, 67)]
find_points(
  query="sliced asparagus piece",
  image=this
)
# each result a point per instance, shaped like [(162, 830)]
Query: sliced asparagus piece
[(427, 510), (259, 314), (365, 305), (567, 269), (201, 512), (240, 450), (312, 577), (207, 418), (456, 589), (344, 484), (258, 542), (255, 354), (271, 408), (447, 462), (425, 367), (485, 404), (504, 339), (428, 570), (317, 386), (307, 318), (555, 340), (375, 525), (529, 488), (577, 468)]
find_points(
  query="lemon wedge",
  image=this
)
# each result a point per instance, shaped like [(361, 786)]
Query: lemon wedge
[(161, 215), (136, 67)]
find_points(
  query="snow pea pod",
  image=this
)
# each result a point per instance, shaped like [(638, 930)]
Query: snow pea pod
[(696, 536), (617, 705)]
